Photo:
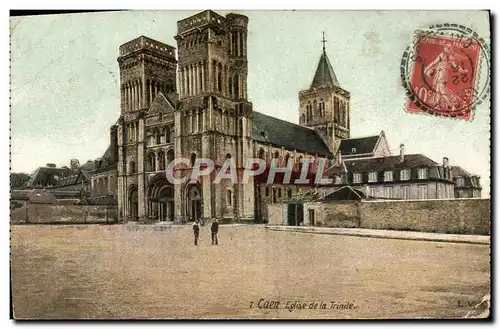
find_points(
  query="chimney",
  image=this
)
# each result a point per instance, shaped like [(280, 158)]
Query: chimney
[(401, 152), (445, 162)]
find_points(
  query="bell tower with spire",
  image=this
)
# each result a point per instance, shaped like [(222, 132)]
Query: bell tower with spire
[(325, 106)]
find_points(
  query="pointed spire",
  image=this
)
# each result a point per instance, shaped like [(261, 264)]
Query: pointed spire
[(324, 76), (324, 41)]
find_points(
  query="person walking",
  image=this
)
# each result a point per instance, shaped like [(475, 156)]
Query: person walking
[(215, 231), (196, 231)]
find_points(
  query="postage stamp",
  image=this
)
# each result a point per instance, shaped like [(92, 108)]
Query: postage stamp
[(249, 164), (441, 72)]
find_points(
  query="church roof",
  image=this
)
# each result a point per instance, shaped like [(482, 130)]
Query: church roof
[(325, 76), (268, 129), (360, 145)]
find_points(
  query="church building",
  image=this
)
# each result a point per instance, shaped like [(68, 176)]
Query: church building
[(195, 105)]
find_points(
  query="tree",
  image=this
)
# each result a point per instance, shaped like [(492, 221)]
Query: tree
[(304, 196)]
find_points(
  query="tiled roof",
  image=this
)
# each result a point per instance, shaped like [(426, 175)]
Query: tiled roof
[(458, 171), (77, 178), (89, 166), (106, 162), (45, 176), (267, 129), (325, 76), (358, 145), (469, 182), (392, 162)]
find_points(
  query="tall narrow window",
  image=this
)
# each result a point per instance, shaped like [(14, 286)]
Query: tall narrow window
[(423, 192), (229, 197), (151, 162), (170, 155), (262, 154), (193, 158), (422, 173), (161, 160), (405, 192)]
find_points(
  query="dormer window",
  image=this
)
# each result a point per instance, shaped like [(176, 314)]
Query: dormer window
[(338, 179), (460, 181), (372, 177), (353, 150), (423, 173), (388, 176), (405, 174)]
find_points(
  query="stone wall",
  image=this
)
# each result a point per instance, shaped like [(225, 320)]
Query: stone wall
[(275, 214), (458, 216), (63, 214)]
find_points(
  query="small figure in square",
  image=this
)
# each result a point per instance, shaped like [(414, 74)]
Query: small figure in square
[(215, 231), (196, 231)]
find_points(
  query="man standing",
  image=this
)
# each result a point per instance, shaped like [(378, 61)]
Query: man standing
[(215, 230), (196, 231)]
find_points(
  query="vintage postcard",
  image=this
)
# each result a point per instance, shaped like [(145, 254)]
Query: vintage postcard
[(251, 164)]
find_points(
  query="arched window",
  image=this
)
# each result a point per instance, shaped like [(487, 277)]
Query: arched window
[(300, 162), (219, 78), (262, 154), (279, 192), (158, 136), (287, 157), (193, 158), (276, 155), (267, 191), (230, 86), (228, 156), (229, 197), (167, 135), (289, 194), (170, 155), (151, 162), (161, 160), (236, 87)]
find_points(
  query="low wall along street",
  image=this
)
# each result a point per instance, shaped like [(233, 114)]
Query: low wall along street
[(458, 216), (63, 214)]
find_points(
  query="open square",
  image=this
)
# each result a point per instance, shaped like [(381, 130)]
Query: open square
[(142, 271)]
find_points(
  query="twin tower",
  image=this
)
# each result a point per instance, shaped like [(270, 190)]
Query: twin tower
[(197, 106), (212, 53)]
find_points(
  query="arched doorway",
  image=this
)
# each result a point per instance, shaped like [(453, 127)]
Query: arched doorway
[(194, 202), (133, 203), (160, 199)]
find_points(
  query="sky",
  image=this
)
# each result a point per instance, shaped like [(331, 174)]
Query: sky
[(65, 78)]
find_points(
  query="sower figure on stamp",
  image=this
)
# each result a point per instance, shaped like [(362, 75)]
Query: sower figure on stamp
[(215, 231), (196, 231), (443, 97)]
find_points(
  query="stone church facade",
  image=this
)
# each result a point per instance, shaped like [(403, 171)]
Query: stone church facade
[(195, 105)]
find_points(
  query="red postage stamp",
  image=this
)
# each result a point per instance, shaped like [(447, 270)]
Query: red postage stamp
[(444, 76)]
